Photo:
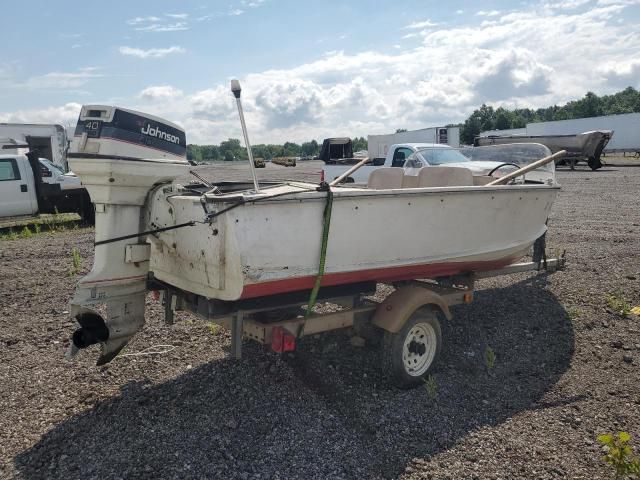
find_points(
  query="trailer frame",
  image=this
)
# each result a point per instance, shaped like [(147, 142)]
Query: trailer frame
[(279, 320)]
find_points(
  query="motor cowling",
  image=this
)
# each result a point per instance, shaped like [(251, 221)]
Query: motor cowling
[(119, 155)]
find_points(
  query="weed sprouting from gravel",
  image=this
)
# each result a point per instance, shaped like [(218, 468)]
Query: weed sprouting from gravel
[(76, 260), (26, 232), (36, 228), (10, 235), (620, 455), (489, 358), (214, 328), (431, 387), (618, 304), (574, 312)]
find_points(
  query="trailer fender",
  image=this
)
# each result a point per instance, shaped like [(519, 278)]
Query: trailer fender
[(396, 309)]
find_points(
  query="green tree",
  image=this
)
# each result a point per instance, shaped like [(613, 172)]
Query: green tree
[(359, 143), (291, 149), (310, 149), (503, 119), (231, 149)]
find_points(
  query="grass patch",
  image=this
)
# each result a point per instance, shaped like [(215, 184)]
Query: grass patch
[(9, 235), (431, 387), (26, 232), (214, 328), (489, 358), (619, 454), (76, 261), (617, 303), (574, 313)]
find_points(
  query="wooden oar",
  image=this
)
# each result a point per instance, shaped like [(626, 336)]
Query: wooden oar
[(528, 168), (349, 172)]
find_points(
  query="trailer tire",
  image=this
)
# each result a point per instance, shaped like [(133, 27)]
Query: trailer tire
[(409, 355)]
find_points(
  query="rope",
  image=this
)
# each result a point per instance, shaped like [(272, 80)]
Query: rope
[(326, 223)]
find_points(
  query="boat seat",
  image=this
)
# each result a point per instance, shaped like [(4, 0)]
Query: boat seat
[(445, 177), (385, 178), (409, 181), (482, 179)]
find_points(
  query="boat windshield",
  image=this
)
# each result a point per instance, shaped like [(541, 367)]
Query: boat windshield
[(517, 153), (435, 156)]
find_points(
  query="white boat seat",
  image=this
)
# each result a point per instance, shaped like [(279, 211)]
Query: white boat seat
[(385, 178), (445, 177)]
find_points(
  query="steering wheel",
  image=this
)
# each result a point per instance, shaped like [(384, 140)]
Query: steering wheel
[(490, 174)]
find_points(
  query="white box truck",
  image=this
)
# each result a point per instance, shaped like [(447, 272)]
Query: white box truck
[(378, 145)]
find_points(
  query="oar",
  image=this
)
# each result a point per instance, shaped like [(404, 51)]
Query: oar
[(349, 172), (528, 168)]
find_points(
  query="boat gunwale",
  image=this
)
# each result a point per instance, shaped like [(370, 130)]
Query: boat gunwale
[(351, 192)]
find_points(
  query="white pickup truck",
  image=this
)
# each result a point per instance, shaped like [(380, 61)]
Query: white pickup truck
[(410, 156), (21, 193)]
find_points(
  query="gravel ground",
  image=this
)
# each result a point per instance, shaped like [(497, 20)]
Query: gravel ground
[(567, 369)]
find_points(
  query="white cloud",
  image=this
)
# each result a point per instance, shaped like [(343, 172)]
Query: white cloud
[(235, 12), (252, 3), (533, 57), (139, 20), (165, 27), (151, 52), (64, 115), (160, 24), (492, 13), (161, 92), (63, 80), (421, 24)]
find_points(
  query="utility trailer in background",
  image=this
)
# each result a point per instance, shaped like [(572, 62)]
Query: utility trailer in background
[(626, 128), (405, 325), (47, 140)]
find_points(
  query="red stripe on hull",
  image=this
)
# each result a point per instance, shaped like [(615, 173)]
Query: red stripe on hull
[(390, 274)]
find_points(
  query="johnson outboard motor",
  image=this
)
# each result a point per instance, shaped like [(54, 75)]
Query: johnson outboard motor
[(119, 155)]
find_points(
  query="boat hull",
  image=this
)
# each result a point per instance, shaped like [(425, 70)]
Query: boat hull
[(273, 246), (586, 145)]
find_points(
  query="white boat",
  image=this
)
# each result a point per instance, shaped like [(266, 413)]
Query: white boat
[(231, 242)]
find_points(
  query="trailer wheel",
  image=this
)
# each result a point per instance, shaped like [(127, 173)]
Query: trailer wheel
[(410, 354)]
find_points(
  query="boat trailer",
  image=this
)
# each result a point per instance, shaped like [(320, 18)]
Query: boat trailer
[(405, 322)]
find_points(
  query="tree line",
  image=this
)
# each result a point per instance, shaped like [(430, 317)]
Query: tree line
[(232, 149), (483, 118), (591, 105)]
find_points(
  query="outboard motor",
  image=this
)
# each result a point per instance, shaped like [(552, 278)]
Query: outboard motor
[(119, 155)]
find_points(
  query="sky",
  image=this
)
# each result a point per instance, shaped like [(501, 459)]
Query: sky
[(310, 70)]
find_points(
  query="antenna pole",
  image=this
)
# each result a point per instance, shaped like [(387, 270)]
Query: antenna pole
[(235, 88)]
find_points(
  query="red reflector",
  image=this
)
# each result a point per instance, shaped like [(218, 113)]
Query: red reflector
[(155, 295), (321, 176), (289, 343), (282, 341)]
